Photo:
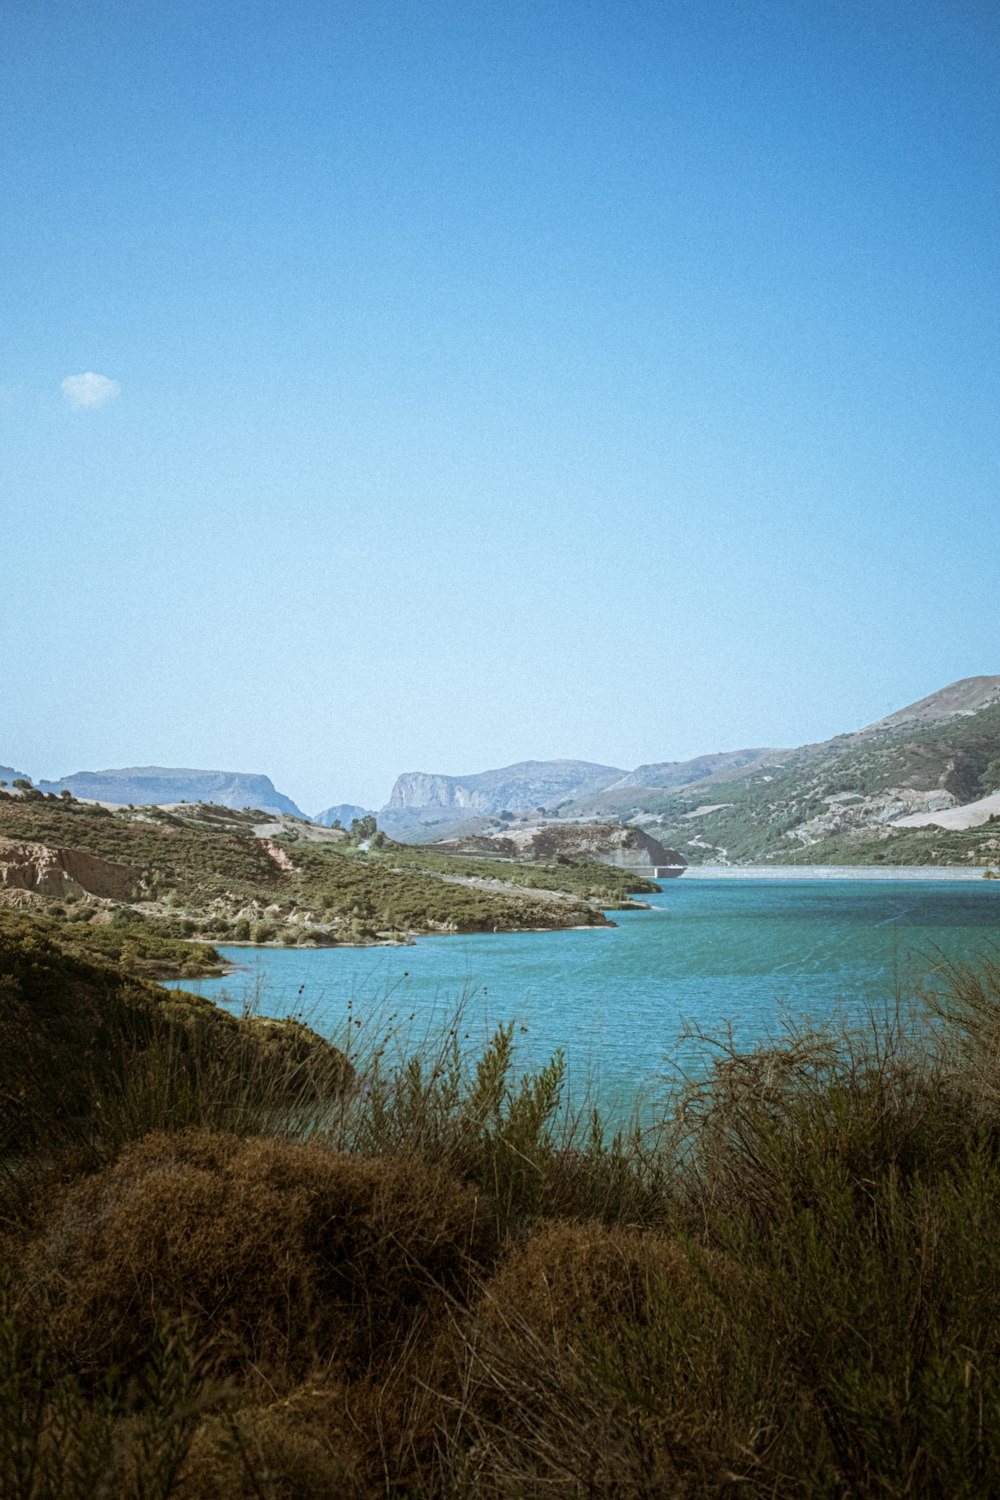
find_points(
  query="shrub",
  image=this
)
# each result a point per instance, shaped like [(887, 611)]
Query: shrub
[(304, 1445), (562, 1395), (278, 1254), (66, 1439)]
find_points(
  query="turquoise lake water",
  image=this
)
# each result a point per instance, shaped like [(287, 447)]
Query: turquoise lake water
[(710, 952)]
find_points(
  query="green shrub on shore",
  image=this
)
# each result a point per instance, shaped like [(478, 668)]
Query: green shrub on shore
[(428, 1276), (91, 1057), (145, 947)]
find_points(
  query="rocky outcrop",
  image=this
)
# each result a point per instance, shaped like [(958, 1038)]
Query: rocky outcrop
[(144, 785), (847, 811), (523, 787), (63, 872)]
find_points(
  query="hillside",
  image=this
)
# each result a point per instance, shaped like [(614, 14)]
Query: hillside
[(915, 788), (74, 1018), (131, 881)]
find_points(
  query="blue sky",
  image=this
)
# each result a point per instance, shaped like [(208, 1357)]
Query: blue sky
[(489, 382)]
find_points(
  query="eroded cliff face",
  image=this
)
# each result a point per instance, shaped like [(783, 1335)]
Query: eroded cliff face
[(63, 872), (522, 787), (420, 789)]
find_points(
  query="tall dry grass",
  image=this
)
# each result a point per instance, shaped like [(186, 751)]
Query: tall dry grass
[(426, 1274)]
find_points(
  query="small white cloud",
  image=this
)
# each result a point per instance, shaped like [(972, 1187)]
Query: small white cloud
[(89, 389)]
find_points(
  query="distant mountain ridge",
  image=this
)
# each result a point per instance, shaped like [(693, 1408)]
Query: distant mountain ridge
[(153, 784), (920, 785), (526, 786), (343, 813), (683, 772)]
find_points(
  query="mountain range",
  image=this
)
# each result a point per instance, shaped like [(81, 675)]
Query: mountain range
[(143, 785), (920, 785)]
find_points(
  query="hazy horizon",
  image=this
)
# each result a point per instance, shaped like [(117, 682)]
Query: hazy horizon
[(315, 806), (437, 387)]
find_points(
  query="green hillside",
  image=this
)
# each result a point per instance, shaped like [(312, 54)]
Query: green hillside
[(832, 803), (206, 874)]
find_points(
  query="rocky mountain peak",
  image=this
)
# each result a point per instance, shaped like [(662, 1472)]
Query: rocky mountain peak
[(521, 787)]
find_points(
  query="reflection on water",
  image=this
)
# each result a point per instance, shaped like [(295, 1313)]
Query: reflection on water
[(614, 999)]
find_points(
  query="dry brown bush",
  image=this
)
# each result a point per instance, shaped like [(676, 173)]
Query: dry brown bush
[(576, 1380), (410, 1416), (570, 1279), (303, 1445), (281, 1255)]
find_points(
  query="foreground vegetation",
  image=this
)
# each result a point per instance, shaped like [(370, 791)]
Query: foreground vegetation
[(243, 1261)]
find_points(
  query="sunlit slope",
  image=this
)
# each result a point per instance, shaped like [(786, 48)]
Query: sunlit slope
[(868, 797), (213, 874)]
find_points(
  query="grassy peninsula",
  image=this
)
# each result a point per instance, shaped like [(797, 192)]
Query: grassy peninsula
[(152, 887), (242, 1261)]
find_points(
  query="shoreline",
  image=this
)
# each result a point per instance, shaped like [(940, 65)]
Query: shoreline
[(952, 874), (835, 872), (231, 967)]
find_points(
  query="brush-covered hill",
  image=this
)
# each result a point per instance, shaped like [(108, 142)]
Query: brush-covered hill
[(73, 1021), (921, 786), (152, 886), (618, 844)]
